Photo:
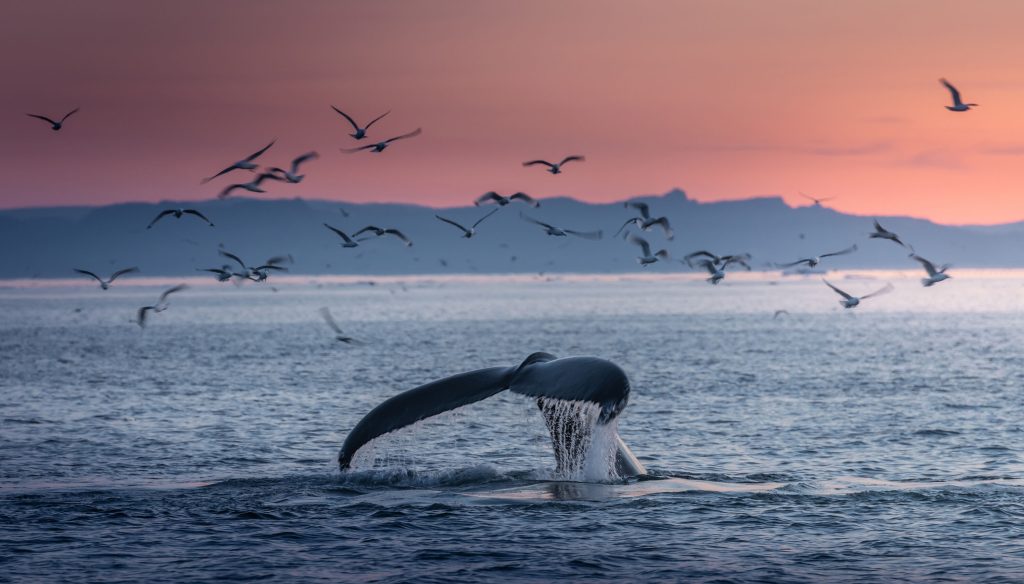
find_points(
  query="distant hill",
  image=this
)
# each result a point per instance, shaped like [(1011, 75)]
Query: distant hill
[(50, 242)]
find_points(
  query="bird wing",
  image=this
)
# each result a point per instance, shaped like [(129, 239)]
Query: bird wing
[(571, 158), (269, 267), (415, 132), (850, 249), (374, 120), (708, 265), (879, 228), (266, 176), (42, 118), (633, 221), (796, 263), (227, 190), (736, 260), (533, 162), (488, 196), (952, 90), (225, 171), (160, 216), (525, 198), (644, 209), (257, 154), (838, 291), (884, 290), (280, 260), (141, 316), (329, 319), (594, 235), (69, 114), (88, 273), (365, 229), (170, 291), (198, 214), (340, 233), (347, 117), (695, 254), (928, 266), (646, 247), (302, 159), (120, 273), (450, 222), (232, 256), (351, 150), (532, 220), (481, 220), (661, 221), (399, 235)]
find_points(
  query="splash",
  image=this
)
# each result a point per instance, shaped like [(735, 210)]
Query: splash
[(584, 449)]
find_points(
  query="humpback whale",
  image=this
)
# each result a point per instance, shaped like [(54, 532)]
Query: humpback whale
[(553, 382)]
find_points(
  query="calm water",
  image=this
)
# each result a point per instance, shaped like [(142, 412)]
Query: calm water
[(880, 444)]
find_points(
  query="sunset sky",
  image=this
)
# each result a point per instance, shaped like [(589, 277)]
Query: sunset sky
[(725, 100)]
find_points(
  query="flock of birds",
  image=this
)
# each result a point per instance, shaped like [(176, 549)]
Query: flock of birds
[(642, 222)]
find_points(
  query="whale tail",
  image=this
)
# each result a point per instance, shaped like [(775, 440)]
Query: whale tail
[(575, 395)]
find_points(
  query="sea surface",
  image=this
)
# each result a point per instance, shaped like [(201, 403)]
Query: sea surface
[(880, 444)]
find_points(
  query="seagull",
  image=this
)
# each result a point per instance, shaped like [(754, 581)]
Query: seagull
[(935, 275), (256, 273), (339, 335), (467, 233), (104, 284), (552, 167), (54, 125), (244, 164), (849, 301), (958, 106), (177, 215), (348, 241), (360, 132), (252, 186), (647, 258), (493, 197), (779, 313), (160, 306), (716, 271), (223, 273), (293, 175), (817, 201), (717, 260), (814, 261), (881, 233), (559, 232), (646, 224), (380, 146), (381, 232)]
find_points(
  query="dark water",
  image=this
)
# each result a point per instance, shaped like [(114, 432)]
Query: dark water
[(880, 444)]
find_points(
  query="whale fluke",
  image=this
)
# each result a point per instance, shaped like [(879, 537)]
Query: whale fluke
[(541, 375)]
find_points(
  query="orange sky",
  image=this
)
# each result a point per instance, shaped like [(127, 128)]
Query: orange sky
[(723, 99)]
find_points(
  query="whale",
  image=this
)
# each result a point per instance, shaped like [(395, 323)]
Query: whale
[(551, 381)]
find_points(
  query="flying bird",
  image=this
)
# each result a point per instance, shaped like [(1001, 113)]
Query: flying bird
[(346, 240), (779, 313), (958, 105), (54, 125), (178, 213), (814, 261), (741, 258), (360, 133), (817, 201), (882, 233), (256, 273), (467, 233), (223, 273), (646, 224), (716, 271), (935, 275), (554, 168), (493, 197), (379, 232), (252, 186), (293, 176), (560, 232), (850, 301), (339, 335), (104, 284), (380, 146), (160, 306), (243, 164), (647, 258)]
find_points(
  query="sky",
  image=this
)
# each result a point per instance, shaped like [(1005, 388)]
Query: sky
[(724, 99)]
